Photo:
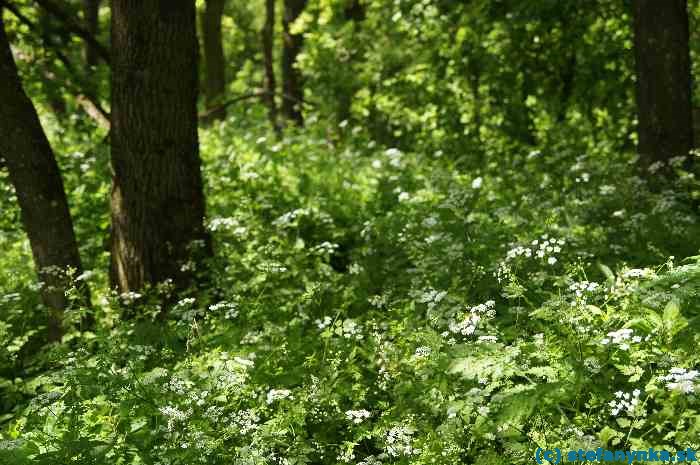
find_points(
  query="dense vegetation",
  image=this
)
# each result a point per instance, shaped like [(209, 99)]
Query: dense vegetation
[(446, 249)]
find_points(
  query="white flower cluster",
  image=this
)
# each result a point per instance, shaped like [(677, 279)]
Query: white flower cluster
[(14, 296), (377, 301), (199, 399), (622, 338), (399, 442), (422, 352), (680, 379), (11, 444), (130, 297), (352, 330), (371, 460), (227, 224), (582, 290), (432, 297), (355, 268), (230, 373), (583, 287), (245, 420), (467, 326), (177, 385), (625, 402), (272, 267), (544, 248), (394, 155), (186, 302), (325, 248), (289, 218), (637, 273), (357, 416), (277, 394), (231, 309), (323, 324), (174, 415), (430, 221)]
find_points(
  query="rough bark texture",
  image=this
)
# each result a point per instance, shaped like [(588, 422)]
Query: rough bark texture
[(268, 34), (157, 199), (292, 86), (91, 10), (214, 61), (663, 79), (39, 187)]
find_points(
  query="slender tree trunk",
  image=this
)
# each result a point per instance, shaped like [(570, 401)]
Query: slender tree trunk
[(52, 88), (268, 33), (39, 187), (663, 80), (292, 86), (91, 10), (157, 198), (355, 11), (214, 61)]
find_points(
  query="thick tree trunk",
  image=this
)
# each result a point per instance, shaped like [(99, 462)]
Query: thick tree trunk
[(157, 198), (39, 187), (214, 61), (292, 86), (663, 80), (268, 34)]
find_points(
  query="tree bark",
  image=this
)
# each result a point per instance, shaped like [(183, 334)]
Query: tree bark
[(268, 33), (292, 86), (91, 9), (214, 61), (37, 181), (663, 84), (157, 197)]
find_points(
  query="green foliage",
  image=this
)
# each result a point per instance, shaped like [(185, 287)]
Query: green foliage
[(432, 271)]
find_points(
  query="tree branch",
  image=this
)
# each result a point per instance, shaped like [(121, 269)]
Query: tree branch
[(246, 97), (72, 26), (91, 105)]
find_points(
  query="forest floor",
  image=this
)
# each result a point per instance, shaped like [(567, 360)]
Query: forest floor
[(370, 305)]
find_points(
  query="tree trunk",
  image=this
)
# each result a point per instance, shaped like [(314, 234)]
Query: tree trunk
[(292, 87), (91, 10), (157, 198), (39, 187), (663, 80), (52, 89), (268, 32), (214, 61), (355, 11)]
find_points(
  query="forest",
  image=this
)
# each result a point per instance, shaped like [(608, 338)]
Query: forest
[(367, 232)]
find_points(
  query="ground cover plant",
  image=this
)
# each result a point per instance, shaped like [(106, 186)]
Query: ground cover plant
[(451, 242)]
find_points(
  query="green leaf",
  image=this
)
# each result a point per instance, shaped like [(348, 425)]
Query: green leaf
[(609, 275), (673, 320)]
